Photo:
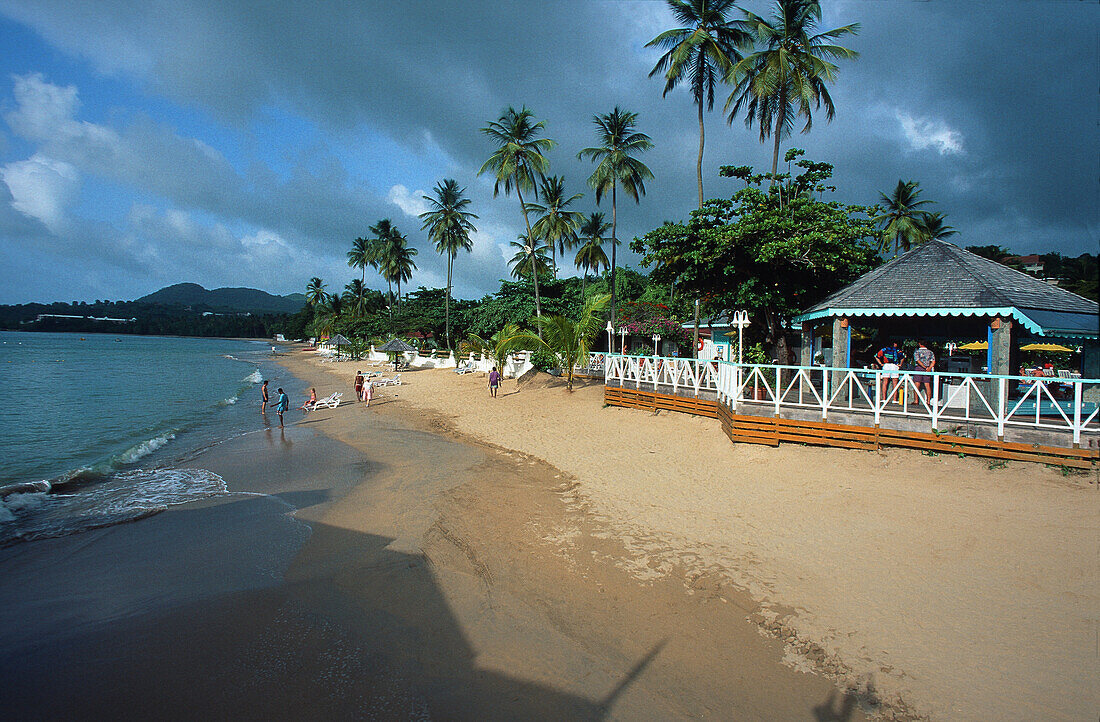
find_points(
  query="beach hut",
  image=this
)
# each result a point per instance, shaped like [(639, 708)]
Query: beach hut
[(940, 290), (396, 346)]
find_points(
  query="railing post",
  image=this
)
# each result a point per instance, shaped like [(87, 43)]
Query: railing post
[(1077, 415), (1002, 399), (776, 383), (736, 395), (825, 393), (878, 396), (935, 403)]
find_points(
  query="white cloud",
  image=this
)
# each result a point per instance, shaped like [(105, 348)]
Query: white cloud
[(411, 204), (923, 133), (42, 188)]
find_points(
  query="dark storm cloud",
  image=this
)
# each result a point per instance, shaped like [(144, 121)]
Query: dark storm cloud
[(990, 106)]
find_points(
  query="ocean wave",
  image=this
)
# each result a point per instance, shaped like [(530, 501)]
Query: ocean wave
[(254, 378), (230, 401), (118, 498), (144, 448)]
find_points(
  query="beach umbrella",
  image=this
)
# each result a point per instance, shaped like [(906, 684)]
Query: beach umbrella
[(339, 340), (1046, 347), (395, 346), (974, 346)]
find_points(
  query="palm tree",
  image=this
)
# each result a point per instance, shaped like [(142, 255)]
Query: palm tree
[(902, 221), (360, 256), (780, 82), (397, 260), (315, 291), (382, 230), (934, 229), (494, 347), (616, 167), (354, 294), (517, 162), (557, 225), (528, 259), (328, 314), (569, 340), (591, 255), (448, 225), (704, 51)]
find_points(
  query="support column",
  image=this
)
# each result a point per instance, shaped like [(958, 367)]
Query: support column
[(1000, 347), (842, 345), (806, 353)]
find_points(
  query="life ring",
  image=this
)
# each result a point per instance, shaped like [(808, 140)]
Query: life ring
[(700, 346)]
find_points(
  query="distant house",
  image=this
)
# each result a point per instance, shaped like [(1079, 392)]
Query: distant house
[(1032, 264)]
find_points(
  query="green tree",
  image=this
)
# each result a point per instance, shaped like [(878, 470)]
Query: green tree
[(397, 260), (556, 225), (934, 229), (569, 340), (355, 295), (495, 348), (528, 258), (360, 256), (704, 51), (518, 162), (449, 227), (902, 221), (788, 75), (751, 252), (315, 291), (591, 256), (382, 239), (616, 166)]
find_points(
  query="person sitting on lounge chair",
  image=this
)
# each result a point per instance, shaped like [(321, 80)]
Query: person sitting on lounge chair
[(309, 404)]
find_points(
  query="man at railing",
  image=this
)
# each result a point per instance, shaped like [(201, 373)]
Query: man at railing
[(890, 358), (925, 361)]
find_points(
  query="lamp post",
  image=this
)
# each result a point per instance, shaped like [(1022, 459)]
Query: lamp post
[(740, 320), (610, 330), (656, 340), (622, 335)]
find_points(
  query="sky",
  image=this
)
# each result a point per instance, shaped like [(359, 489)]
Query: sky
[(151, 142)]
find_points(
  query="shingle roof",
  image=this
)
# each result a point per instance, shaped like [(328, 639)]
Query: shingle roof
[(938, 274)]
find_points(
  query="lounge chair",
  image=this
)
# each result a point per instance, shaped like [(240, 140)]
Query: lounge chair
[(467, 367), (395, 381), (329, 402)]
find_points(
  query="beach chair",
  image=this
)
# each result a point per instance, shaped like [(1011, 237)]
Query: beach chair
[(329, 402), (395, 381), (465, 367)]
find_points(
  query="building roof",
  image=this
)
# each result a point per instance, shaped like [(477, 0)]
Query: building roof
[(941, 279)]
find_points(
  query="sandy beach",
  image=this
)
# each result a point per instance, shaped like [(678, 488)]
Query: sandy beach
[(939, 587)]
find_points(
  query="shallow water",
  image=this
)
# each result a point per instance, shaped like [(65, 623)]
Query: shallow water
[(94, 426)]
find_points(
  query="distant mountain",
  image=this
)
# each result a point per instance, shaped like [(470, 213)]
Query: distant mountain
[(225, 299)]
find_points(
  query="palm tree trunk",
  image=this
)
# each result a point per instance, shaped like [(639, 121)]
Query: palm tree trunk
[(534, 270), (447, 307), (699, 163), (614, 243), (780, 121), (554, 260)]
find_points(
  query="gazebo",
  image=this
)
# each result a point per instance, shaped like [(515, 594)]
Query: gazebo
[(938, 289)]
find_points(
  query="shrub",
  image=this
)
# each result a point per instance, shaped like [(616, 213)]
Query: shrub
[(543, 360)]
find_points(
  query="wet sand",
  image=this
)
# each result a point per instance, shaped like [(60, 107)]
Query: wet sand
[(402, 574), (951, 588)]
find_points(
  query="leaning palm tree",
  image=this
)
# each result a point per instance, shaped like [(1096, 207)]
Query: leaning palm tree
[(902, 221), (934, 229), (557, 225), (784, 79), (616, 166), (703, 51), (517, 162), (315, 291), (569, 340), (383, 231), (528, 258), (448, 225), (591, 256)]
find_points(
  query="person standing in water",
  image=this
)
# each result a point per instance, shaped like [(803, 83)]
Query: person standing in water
[(263, 397), (494, 382), (281, 405)]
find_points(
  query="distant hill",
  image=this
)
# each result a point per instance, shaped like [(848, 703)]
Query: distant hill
[(225, 299)]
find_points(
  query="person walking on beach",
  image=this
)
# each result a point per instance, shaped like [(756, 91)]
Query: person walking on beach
[(358, 385), (281, 405), (925, 361), (494, 382), (263, 397), (368, 392)]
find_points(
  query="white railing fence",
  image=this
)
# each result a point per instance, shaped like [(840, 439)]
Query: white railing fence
[(1050, 403)]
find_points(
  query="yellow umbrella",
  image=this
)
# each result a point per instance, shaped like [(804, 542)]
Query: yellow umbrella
[(975, 346), (1046, 347)]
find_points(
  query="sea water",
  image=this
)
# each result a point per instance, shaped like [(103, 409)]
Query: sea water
[(93, 427)]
